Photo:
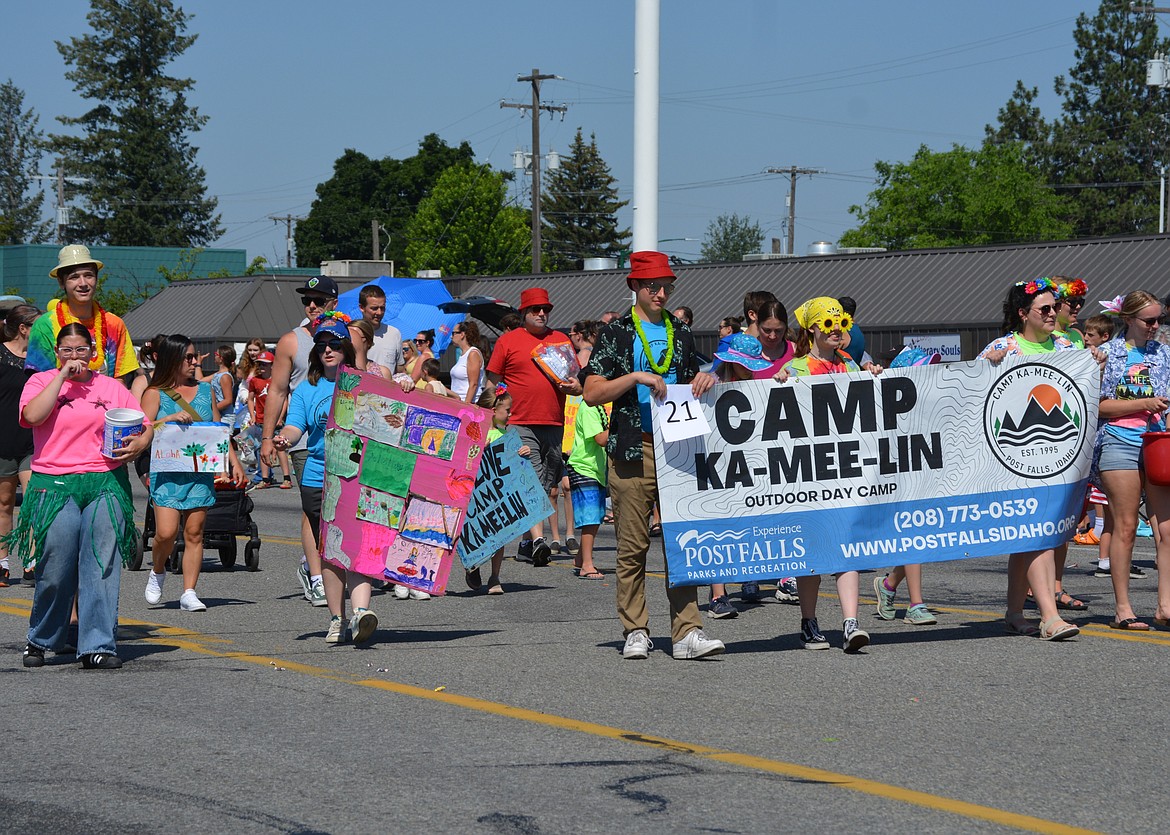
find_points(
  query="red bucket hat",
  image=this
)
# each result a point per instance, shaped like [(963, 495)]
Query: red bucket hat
[(648, 264), (534, 297)]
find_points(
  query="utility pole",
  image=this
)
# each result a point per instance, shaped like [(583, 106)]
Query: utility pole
[(792, 171), (374, 240), (289, 220), (535, 78)]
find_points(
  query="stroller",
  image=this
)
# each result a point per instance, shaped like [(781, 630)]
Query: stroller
[(230, 515)]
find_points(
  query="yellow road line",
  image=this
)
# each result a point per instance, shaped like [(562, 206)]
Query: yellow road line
[(198, 643)]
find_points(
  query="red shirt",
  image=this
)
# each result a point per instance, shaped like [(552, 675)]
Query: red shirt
[(259, 387), (536, 401)]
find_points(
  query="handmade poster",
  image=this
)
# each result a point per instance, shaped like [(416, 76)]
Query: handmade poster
[(398, 484), (508, 499), (851, 471), (190, 448)]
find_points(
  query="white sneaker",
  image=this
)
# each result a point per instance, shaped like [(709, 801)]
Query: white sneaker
[(362, 625), (317, 594), (154, 584), (303, 579), (697, 645), (190, 602), (638, 645), (333, 636), (415, 594), (401, 592)]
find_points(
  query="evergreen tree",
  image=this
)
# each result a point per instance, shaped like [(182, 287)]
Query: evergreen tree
[(1020, 122), (21, 147), (1111, 137), (578, 211), (141, 184), (730, 237), (465, 226), (363, 189)]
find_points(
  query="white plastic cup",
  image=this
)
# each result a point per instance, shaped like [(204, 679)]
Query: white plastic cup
[(121, 424)]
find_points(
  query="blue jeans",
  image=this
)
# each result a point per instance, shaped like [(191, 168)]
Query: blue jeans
[(67, 566)]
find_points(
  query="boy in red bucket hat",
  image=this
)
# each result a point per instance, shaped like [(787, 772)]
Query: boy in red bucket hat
[(538, 403), (634, 359)]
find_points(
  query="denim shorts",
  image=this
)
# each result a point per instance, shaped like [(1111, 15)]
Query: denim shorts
[(1118, 455)]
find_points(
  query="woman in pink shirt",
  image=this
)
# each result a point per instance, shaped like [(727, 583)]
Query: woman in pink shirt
[(772, 331), (77, 517)]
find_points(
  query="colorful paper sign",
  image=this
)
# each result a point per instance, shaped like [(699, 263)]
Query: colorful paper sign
[(190, 448), (508, 499), (846, 472), (397, 485)]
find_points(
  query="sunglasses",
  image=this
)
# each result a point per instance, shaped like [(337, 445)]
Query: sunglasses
[(1044, 309), (74, 352), (655, 286), (315, 301), (540, 309), (1075, 301), (191, 357), (1153, 320), (334, 345), (844, 322), (418, 340)]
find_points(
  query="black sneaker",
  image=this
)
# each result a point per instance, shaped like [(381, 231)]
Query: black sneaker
[(100, 661), (524, 552), (28, 578), (33, 656), (810, 634), (5, 580), (720, 607), (540, 552)]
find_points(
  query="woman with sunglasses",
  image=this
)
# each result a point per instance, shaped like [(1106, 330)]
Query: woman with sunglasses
[(1133, 401), (423, 344), (1070, 299), (175, 395), (823, 324), (77, 516), (308, 412), (470, 365), (16, 442), (1029, 319)]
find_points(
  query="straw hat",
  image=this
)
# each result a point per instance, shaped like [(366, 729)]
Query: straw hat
[(74, 255)]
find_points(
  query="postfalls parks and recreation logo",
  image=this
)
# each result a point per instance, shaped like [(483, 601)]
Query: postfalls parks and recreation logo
[(1034, 419)]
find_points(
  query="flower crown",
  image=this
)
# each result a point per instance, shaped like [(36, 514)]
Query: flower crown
[(1039, 285), (331, 314), (1113, 306), (1072, 289)]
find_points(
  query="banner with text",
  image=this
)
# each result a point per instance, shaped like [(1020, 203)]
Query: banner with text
[(850, 471)]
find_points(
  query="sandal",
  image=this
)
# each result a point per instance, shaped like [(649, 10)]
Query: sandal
[(1057, 630), (607, 519), (1064, 600), (656, 530), (286, 484), (474, 579), (592, 575), (1017, 624), (1129, 624)]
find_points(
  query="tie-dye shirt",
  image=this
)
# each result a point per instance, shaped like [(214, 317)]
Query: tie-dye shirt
[(1135, 384), (114, 356)]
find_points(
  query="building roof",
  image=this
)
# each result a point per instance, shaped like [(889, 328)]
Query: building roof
[(228, 309), (925, 288)]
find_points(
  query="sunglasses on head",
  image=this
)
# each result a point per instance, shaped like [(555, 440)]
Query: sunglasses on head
[(334, 345)]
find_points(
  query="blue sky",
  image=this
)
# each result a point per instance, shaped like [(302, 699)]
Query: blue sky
[(745, 86)]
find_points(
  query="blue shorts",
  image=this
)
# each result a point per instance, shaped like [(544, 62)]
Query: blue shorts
[(1118, 455), (588, 498)]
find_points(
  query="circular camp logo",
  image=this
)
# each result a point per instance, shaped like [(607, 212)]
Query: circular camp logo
[(1034, 420)]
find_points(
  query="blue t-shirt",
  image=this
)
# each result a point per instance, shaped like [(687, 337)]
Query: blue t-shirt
[(656, 336), (856, 349), (308, 410)]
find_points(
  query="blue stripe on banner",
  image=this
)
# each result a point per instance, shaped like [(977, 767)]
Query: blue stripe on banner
[(831, 540)]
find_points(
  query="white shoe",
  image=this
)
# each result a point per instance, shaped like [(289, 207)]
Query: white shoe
[(154, 584), (190, 602), (638, 645), (317, 594), (333, 636), (401, 592), (362, 625), (697, 645), (415, 594)]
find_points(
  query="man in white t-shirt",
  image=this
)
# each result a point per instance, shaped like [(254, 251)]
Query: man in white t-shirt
[(387, 349)]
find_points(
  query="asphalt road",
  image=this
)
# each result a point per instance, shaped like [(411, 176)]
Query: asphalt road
[(517, 714)]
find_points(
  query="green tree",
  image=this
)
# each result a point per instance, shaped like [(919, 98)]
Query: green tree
[(579, 210), (141, 185), (1021, 122), (730, 237), (362, 190), (465, 226), (1111, 136), (22, 143), (960, 197)]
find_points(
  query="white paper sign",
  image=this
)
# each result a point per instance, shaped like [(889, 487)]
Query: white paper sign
[(679, 416), (190, 448)]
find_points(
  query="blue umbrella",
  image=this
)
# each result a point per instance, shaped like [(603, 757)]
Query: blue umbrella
[(412, 305)]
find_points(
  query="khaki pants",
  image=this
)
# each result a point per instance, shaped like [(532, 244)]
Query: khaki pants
[(634, 491)]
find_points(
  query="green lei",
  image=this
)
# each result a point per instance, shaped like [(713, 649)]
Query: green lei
[(669, 355)]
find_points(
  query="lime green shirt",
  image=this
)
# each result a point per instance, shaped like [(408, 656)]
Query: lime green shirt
[(588, 457)]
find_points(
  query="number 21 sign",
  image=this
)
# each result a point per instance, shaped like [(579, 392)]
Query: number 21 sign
[(679, 415)]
